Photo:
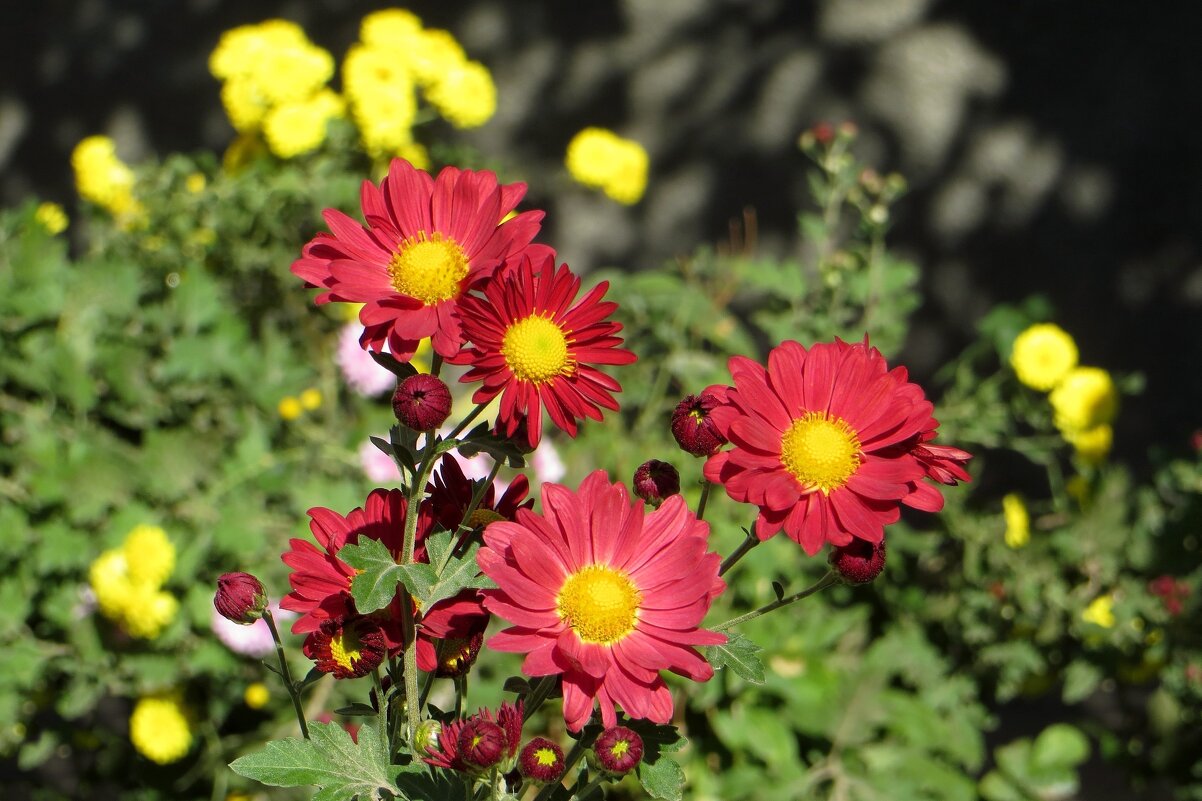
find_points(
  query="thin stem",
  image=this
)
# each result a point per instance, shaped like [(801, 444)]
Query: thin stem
[(409, 656), (461, 547), (593, 784), (828, 580), (286, 674), (475, 413), (538, 695), (436, 365), (706, 486), (749, 542)]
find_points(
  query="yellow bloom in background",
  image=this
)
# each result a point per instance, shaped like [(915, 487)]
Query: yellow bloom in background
[(128, 582), (1091, 444), (195, 183), (244, 102), (256, 695), (435, 52), (1042, 355), (102, 178), (296, 128), (159, 728), (1085, 398), (109, 577), (1100, 611), (51, 217), (241, 49), (392, 27), (148, 611), (421, 356), (465, 95), (416, 154), (149, 555), (601, 159), (310, 399), (1018, 521), (242, 151), (290, 408), (383, 103)]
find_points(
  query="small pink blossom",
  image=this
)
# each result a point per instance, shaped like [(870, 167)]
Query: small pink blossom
[(362, 373), (548, 467), (253, 640), (377, 465)]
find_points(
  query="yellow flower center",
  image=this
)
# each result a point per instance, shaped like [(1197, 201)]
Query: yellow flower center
[(619, 748), (346, 649), (545, 757), (482, 517), (428, 268), (822, 452), (536, 349), (599, 603)]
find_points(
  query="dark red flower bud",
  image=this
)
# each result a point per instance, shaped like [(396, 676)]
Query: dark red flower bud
[(541, 761), (656, 481), (347, 648), (240, 597), (618, 751), (858, 562), (421, 402), (481, 743), (692, 427)]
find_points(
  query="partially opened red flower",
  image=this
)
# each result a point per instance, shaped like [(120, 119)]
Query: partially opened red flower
[(828, 443), (535, 345), (606, 594), (427, 242)]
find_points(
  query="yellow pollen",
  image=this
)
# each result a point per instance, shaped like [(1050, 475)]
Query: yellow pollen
[(599, 603), (482, 517), (428, 268), (345, 649), (536, 349), (544, 757), (619, 748), (821, 451)]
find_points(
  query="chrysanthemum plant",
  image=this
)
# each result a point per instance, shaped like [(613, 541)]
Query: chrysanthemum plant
[(599, 591)]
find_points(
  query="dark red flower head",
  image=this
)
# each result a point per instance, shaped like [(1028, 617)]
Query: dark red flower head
[(422, 402), (860, 561), (655, 480), (692, 427), (541, 761), (347, 648), (240, 597), (481, 743), (618, 751)]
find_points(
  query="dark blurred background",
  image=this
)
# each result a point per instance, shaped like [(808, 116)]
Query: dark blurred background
[(1051, 145)]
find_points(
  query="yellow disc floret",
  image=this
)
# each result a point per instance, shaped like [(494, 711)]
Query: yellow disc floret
[(1043, 354), (159, 728), (1085, 398), (821, 451), (346, 649), (601, 604), (536, 349), (428, 268)]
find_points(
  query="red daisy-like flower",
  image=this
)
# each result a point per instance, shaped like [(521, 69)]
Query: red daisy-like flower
[(605, 594), (427, 242), (451, 633), (827, 443), (348, 648), (450, 494), (535, 347)]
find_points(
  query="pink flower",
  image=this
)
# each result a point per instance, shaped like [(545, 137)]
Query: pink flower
[(362, 373), (253, 640), (377, 465)]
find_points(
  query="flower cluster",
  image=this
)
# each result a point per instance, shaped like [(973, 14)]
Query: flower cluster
[(601, 159), (160, 728), (102, 178), (128, 582), (480, 741)]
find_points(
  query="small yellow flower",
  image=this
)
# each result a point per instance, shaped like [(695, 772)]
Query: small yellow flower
[(148, 611), (109, 579), (290, 408), (1100, 611), (601, 159), (102, 178), (159, 728), (1042, 355), (195, 183), (421, 356), (1093, 444), (465, 95), (310, 399), (51, 217), (1085, 398), (149, 555), (256, 695), (238, 797), (292, 129), (416, 154), (392, 27), (434, 53), (1018, 521)]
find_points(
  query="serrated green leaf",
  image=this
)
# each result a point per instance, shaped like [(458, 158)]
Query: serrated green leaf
[(330, 760), (741, 655), (439, 546), (662, 778), (461, 573), (376, 584)]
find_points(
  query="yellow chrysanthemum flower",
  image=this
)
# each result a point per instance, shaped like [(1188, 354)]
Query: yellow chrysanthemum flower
[(51, 217), (1042, 355), (148, 610), (1018, 521), (159, 728), (241, 49), (1085, 398), (465, 96), (310, 399), (296, 128), (256, 695), (435, 53), (1091, 444), (149, 555), (600, 158), (109, 578), (195, 183), (416, 154), (392, 27), (245, 103), (290, 408), (294, 72), (1100, 611), (102, 178)]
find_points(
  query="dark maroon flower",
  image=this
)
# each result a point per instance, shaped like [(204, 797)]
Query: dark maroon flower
[(481, 743), (655, 481), (618, 751), (422, 402), (541, 761), (347, 648), (240, 597), (858, 562), (692, 427)]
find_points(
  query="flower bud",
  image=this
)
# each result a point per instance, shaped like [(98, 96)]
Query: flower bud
[(655, 481), (617, 751), (421, 402), (481, 743), (541, 761), (240, 597), (692, 427), (858, 562), (426, 736)]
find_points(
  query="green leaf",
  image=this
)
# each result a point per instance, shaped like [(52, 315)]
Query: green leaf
[(741, 655), (439, 546), (1059, 745), (375, 586), (662, 779), (1080, 679), (461, 573), (331, 761)]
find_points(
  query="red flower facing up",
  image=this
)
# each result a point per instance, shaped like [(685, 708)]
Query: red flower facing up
[(348, 648), (427, 242), (535, 347), (828, 443), (605, 594), (450, 494)]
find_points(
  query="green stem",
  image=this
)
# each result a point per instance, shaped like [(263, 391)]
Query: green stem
[(467, 420), (409, 656), (594, 783), (286, 674), (706, 486), (749, 542), (461, 547), (435, 365), (538, 696), (828, 580)]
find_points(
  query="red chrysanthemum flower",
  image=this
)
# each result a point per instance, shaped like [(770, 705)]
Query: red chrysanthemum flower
[(347, 648), (427, 242), (466, 745), (535, 347), (605, 594), (827, 443), (692, 427), (617, 751), (450, 494), (451, 634)]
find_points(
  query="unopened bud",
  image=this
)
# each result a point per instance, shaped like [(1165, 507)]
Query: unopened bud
[(655, 481), (617, 751), (541, 761), (481, 743), (426, 736), (240, 597), (692, 427), (422, 402), (858, 562)]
